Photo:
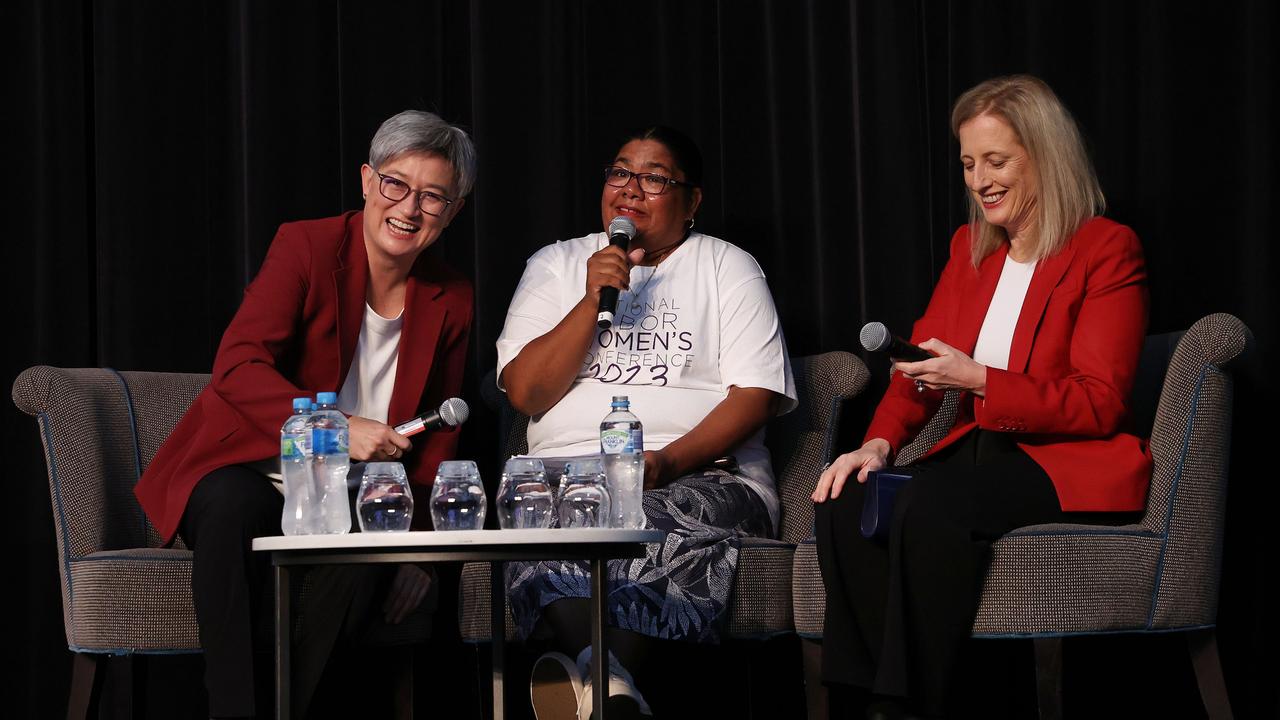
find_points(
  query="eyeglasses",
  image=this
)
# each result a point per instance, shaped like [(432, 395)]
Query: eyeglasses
[(396, 190), (650, 183)]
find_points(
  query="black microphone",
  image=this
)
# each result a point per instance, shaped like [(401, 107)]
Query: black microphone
[(875, 337), (621, 231), (451, 413)]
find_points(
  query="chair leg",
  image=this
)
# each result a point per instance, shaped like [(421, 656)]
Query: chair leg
[(815, 693), (1203, 645), (403, 702), (86, 684), (1049, 677), (123, 693)]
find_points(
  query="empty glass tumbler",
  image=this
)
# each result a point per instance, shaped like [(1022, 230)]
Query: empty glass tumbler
[(584, 498), (457, 499), (385, 502), (525, 501)]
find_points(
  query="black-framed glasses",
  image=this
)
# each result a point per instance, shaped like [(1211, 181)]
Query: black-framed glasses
[(395, 190), (650, 183)]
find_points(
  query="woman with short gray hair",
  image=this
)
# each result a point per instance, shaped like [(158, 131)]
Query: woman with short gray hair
[(351, 303)]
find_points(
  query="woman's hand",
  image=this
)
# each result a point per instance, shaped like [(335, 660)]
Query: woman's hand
[(950, 370), (407, 591), (610, 266), (372, 441), (658, 470), (871, 456)]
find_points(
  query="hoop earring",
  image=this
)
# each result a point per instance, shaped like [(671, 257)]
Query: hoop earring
[(690, 225)]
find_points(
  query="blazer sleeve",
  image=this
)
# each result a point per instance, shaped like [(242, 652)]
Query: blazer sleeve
[(1091, 398), (903, 411), (246, 369)]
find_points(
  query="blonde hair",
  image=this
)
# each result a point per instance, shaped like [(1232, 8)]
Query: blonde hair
[(1068, 194)]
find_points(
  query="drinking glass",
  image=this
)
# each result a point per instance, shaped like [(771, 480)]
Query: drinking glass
[(584, 499), (457, 499), (524, 497), (385, 502)]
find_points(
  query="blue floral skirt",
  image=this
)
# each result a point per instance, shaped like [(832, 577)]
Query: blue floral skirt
[(680, 588)]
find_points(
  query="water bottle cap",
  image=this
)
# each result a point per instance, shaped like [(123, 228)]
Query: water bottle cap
[(301, 405), (327, 398), (621, 401)]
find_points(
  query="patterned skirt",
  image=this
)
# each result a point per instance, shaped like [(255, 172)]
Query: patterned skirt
[(680, 588)]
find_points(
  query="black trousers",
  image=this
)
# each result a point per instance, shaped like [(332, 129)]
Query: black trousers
[(898, 614), (227, 509), (232, 597)]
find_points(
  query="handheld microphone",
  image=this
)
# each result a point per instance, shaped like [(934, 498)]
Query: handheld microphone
[(451, 413), (621, 232), (875, 337)]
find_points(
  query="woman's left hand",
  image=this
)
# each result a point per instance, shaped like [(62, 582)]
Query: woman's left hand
[(407, 591), (657, 469), (950, 370)]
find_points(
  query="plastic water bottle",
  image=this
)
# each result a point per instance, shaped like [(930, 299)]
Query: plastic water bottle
[(622, 447), (295, 468), (621, 431), (329, 463)]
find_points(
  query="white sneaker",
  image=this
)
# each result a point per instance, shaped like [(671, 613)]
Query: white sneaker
[(624, 700), (555, 687)]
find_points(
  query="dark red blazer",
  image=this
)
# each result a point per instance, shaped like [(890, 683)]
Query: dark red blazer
[(295, 334), (1071, 365)]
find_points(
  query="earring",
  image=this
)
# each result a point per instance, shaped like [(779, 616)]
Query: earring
[(690, 225)]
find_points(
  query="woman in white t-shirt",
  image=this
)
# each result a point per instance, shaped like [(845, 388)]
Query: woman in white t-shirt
[(698, 348)]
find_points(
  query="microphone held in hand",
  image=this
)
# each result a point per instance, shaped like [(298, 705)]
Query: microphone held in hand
[(621, 232), (875, 337), (451, 413)]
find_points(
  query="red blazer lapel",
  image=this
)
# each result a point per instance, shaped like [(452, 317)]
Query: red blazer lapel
[(977, 298), (419, 335), (350, 283), (1044, 279)]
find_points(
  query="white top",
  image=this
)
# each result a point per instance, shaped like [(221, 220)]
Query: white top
[(996, 335), (367, 389), (689, 328)]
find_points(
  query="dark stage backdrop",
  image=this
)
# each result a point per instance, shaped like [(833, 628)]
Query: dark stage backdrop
[(155, 146)]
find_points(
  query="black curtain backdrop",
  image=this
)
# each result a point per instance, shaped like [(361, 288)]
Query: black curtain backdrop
[(155, 146)]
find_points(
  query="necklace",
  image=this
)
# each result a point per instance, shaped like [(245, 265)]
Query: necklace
[(661, 254)]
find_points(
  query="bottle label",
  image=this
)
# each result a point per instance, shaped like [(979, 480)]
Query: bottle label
[(614, 441), (289, 448), (328, 441), (635, 443)]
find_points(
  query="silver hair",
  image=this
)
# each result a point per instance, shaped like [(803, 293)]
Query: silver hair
[(418, 131)]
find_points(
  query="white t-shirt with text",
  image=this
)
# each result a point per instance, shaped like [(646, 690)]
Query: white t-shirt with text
[(689, 328)]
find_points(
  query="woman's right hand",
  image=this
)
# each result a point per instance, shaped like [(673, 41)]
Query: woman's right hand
[(871, 456), (372, 441), (610, 266)]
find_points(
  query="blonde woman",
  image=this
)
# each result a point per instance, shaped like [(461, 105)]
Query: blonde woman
[(1038, 320)]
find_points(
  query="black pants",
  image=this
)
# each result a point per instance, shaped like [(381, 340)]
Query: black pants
[(227, 509), (898, 614)]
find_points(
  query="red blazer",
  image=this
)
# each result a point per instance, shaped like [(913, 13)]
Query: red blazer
[(1071, 365), (295, 334)]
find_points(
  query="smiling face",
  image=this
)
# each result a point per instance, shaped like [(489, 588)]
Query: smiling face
[(999, 173), (660, 219), (398, 232)]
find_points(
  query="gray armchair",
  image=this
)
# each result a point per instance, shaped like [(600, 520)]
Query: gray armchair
[(123, 594), (800, 443), (1158, 575)]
